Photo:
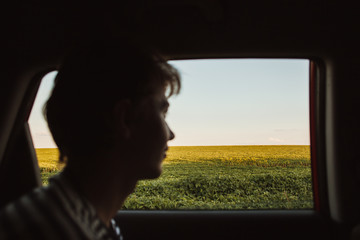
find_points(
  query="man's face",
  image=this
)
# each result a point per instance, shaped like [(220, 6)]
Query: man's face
[(149, 135)]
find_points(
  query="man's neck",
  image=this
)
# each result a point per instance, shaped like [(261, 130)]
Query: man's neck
[(106, 191)]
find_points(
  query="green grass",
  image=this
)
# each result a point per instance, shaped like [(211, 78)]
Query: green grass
[(220, 177)]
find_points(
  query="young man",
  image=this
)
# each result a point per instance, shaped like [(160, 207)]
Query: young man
[(107, 116)]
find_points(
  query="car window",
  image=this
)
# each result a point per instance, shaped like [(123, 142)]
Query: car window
[(242, 138)]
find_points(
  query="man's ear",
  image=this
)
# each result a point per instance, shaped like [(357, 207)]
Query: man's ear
[(121, 115)]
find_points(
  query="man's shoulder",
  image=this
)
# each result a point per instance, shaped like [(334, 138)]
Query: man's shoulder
[(56, 211), (45, 213)]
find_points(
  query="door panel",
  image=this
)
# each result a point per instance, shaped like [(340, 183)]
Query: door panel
[(272, 224)]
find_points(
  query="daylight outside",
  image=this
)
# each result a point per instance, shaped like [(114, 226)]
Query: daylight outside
[(242, 138)]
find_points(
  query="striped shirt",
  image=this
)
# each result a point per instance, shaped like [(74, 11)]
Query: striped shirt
[(56, 211)]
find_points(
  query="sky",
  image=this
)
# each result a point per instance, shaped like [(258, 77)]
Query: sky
[(225, 102)]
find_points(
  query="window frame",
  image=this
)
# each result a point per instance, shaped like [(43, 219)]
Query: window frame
[(313, 85)]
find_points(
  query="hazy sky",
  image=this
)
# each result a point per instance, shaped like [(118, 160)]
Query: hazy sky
[(225, 102)]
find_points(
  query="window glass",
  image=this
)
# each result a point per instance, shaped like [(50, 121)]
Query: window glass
[(45, 147), (242, 138)]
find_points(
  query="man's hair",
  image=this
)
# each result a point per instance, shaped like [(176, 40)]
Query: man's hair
[(90, 81)]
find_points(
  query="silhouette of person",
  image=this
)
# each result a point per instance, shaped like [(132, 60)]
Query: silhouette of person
[(107, 116)]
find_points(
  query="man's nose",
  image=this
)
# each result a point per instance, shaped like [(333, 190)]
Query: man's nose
[(171, 134)]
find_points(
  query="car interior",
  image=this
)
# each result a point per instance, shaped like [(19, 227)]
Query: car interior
[(37, 34)]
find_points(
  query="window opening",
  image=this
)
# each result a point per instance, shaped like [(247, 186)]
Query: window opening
[(242, 138)]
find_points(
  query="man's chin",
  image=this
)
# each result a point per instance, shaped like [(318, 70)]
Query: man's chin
[(155, 173)]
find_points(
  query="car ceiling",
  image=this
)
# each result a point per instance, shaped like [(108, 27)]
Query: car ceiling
[(187, 29)]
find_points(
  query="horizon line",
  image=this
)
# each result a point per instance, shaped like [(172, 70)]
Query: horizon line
[(212, 145)]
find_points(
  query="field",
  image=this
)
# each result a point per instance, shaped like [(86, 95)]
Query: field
[(220, 177)]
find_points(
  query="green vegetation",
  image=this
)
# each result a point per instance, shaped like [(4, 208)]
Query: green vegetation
[(220, 177), (48, 162)]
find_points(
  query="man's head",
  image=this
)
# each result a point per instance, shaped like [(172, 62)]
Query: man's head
[(106, 95)]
